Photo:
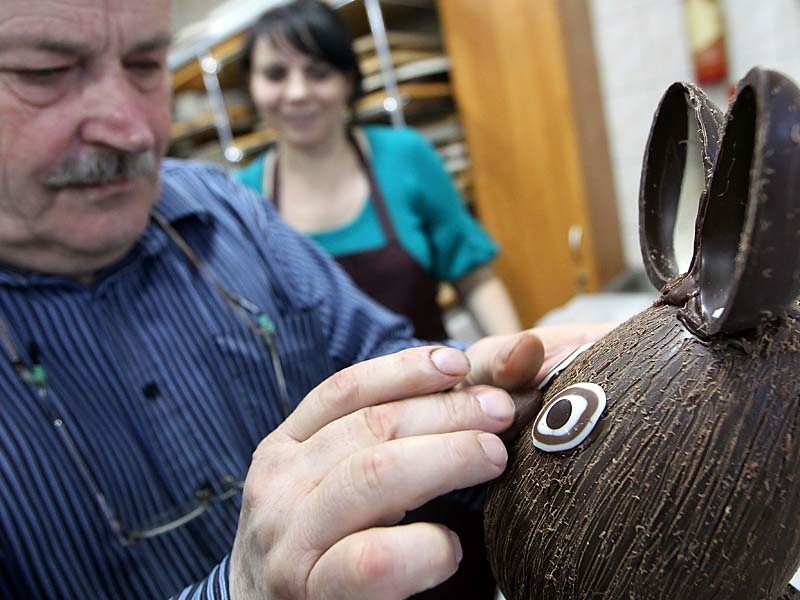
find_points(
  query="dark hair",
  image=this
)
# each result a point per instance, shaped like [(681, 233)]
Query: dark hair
[(313, 28)]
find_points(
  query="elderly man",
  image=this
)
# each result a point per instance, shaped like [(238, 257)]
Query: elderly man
[(157, 322)]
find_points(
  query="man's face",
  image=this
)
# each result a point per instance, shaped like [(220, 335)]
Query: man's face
[(84, 121)]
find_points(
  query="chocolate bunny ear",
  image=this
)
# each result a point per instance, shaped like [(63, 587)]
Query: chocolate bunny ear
[(677, 167), (749, 260)]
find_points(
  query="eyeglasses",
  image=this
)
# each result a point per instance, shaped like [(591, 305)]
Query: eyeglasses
[(36, 376)]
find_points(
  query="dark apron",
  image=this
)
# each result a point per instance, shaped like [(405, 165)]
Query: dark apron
[(392, 277)]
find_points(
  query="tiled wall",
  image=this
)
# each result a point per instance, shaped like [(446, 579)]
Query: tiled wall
[(765, 34), (642, 47)]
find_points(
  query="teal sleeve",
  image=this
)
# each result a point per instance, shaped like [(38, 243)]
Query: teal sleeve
[(459, 243)]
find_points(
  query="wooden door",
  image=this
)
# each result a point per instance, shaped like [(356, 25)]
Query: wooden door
[(525, 81)]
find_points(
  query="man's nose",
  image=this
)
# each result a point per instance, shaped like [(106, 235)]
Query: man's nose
[(117, 115)]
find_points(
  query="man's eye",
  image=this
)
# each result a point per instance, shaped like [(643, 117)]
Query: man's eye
[(145, 66), (147, 73), (39, 86), (41, 76)]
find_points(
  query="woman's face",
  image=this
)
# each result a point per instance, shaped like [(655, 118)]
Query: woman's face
[(304, 98)]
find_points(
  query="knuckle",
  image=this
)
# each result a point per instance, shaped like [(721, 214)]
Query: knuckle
[(284, 581), (453, 405), (410, 357), (346, 386), (381, 421), (264, 474), (280, 581), (260, 530), (461, 451), (252, 496), (262, 451), (373, 561), (372, 468), (288, 568), (415, 361), (266, 454)]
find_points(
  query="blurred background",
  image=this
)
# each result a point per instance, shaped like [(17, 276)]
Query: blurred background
[(540, 110)]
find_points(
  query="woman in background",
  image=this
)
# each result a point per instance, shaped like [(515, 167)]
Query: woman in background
[(378, 199)]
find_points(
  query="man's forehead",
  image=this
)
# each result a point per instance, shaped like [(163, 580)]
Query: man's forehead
[(85, 23)]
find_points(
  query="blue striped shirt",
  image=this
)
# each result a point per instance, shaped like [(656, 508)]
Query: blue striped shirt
[(163, 390)]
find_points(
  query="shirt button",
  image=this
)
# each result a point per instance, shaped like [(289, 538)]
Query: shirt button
[(151, 391)]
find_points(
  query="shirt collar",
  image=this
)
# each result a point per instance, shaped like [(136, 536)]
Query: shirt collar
[(177, 202)]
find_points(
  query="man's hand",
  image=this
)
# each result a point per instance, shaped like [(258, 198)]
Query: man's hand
[(375, 440), (518, 362), (325, 489)]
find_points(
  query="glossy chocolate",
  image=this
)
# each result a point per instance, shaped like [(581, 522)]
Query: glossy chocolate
[(682, 107)]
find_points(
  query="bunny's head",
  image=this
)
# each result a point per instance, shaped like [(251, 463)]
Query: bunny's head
[(664, 462)]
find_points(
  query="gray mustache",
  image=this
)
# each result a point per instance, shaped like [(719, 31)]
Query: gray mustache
[(101, 166)]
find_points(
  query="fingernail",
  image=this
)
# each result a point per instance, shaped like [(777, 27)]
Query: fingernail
[(504, 356), (457, 547), (496, 404), (450, 361), (494, 449)]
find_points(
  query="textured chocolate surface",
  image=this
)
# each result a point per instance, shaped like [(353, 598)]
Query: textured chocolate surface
[(686, 490)]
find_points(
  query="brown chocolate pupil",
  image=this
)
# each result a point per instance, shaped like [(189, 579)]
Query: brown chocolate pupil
[(559, 414)]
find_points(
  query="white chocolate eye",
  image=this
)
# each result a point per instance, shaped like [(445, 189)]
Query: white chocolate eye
[(569, 417), (559, 367)]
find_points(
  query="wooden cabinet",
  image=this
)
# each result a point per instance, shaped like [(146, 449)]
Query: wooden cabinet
[(525, 80)]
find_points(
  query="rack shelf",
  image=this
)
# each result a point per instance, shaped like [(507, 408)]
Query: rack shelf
[(227, 53)]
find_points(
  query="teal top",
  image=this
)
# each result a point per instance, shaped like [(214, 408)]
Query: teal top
[(430, 218)]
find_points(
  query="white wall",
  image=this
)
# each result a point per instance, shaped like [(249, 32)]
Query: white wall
[(642, 47)]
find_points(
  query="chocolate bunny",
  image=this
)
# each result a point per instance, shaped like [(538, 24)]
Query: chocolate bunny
[(665, 460)]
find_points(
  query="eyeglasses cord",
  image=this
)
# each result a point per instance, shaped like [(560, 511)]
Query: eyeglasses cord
[(260, 324), (36, 376)]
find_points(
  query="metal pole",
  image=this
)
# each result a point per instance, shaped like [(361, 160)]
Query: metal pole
[(210, 67), (392, 103)]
